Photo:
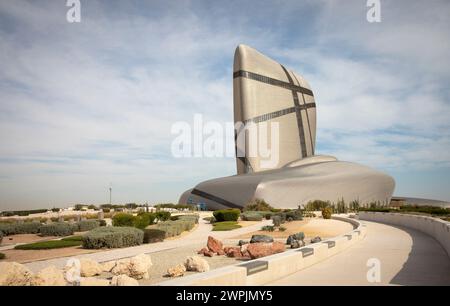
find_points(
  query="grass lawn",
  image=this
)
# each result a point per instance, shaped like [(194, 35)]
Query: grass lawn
[(226, 226), (52, 244)]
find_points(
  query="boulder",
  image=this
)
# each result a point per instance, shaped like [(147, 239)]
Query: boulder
[(208, 254), (221, 252), (108, 266), (123, 280), (261, 238), (258, 250), (90, 267), (242, 242), (233, 252), (203, 251), (14, 274), (176, 271), (93, 282), (50, 276), (316, 240), (196, 264), (295, 244), (296, 237), (136, 267), (214, 245)]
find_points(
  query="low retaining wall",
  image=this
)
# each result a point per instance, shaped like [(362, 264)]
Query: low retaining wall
[(434, 227), (264, 270)]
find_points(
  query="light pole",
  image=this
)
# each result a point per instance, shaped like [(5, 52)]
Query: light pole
[(110, 194)]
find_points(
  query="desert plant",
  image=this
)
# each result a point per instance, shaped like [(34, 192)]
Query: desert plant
[(227, 215), (257, 205), (113, 237), (162, 215), (251, 216), (268, 228), (87, 225), (20, 228), (282, 229), (276, 220), (326, 213), (2, 256), (57, 229), (193, 218), (123, 219), (152, 235), (101, 222), (317, 205), (143, 220), (1, 236)]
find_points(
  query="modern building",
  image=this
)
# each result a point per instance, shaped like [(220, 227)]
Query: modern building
[(275, 117)]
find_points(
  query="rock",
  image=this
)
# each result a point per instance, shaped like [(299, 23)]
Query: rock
[(295, 244), (14, 274), (176, 271), (214, 245), (136, 267), (233, 252), (221, 252), (123, 280), (299, 237), (242, 242), (108, 266), (90, 267), (208, 254), (196, 264), (261, 238), (203, 251), (316, 240), (50, 276), (92, 281), (258, 250)]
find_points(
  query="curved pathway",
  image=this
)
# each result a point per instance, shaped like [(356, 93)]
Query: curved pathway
[(198, 236), (406, 256)]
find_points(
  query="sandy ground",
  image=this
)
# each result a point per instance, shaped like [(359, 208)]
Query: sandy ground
[(311, 228), (23, 256), (24, 238)]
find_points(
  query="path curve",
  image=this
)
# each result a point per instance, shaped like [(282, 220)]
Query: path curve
[(407, 257)]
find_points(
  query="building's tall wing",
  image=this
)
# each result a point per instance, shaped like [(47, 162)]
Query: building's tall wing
[(265, 92)]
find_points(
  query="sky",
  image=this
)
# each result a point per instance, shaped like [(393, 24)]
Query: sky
[(85, 106)]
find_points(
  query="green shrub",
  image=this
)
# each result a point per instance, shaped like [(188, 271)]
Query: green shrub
[(257, 205), (48, 245), (23, 213), (113, 237), (162, 215), (282, 229), (2, 256), (268, 228), (227, 215), (123, 219), (87, 225), (175, 228), (143, 220), (251, 216), (57, 229), (268, 215), (106, 210), (20, 228), (152, 235), (211, 220), (294, 215), (317, 205), (189, 218), (101, 222), (1, 236), (326, 213), (226, 226), (276, 220)]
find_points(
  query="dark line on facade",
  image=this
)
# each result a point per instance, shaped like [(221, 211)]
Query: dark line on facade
[(214, 198), (279, 113), (307, 118), (271, 81), (301, 130)]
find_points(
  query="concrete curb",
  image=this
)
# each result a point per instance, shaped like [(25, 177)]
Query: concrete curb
[(434, 227), (267, 269)]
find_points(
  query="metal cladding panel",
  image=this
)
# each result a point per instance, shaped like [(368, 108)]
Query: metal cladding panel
[(266, 92)]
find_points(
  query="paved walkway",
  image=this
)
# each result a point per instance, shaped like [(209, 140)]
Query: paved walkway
[(407, 257), (198, 236)]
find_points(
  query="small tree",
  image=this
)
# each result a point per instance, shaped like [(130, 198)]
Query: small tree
[(326, 213)]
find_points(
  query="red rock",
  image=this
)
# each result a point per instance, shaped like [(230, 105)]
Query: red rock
[(203, 251), (214, 245), (233, 252), (220, 252), (208, 254), (261, 249)]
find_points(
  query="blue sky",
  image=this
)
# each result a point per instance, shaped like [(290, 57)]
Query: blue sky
[(89, 104)]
